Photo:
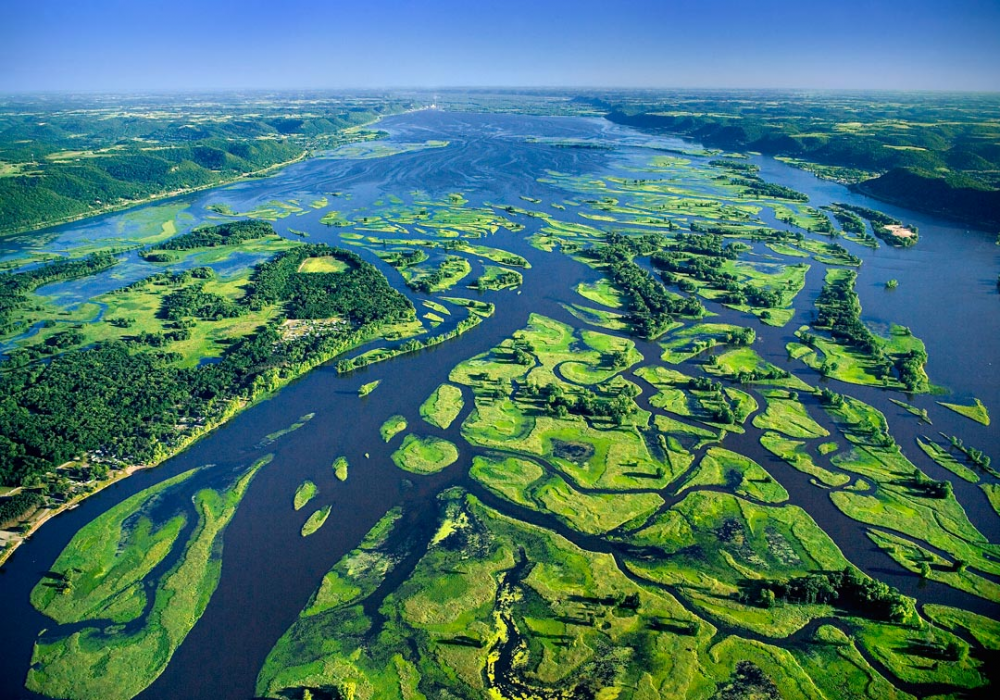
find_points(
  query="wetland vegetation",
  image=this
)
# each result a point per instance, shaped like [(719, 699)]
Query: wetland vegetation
[(91, 156), (934, 154), (633, 477)]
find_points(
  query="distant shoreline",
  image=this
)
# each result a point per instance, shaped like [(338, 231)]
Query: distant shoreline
[(112, 208)]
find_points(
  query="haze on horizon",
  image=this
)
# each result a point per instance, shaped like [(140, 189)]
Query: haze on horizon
[(123, 45)]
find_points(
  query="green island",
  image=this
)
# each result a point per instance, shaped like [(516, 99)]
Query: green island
[(94, 581), (368, 388), (977, 411), (392, 427), (340, 468), (306, 491), (841, 346), (315, 521), (424, 455), (443, 406)]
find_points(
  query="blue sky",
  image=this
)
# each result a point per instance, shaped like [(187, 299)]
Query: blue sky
[(199, 44)]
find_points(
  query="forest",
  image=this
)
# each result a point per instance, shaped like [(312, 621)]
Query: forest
[(59, 190), (361, 293), (935, 153), (123, 407), (89, 156)]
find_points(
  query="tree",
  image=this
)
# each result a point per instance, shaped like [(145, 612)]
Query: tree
[(618, 359), (631, 601), (955, 650)]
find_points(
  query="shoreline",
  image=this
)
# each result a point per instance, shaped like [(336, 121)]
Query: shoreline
[(306, 154), (15, 538), (43, 515), (114, 208), (232, 410), (948, 217)]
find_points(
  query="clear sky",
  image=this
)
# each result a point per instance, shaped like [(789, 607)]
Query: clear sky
[(196, 44)]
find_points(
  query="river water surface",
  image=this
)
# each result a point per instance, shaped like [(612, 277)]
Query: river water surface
[(946, 295)]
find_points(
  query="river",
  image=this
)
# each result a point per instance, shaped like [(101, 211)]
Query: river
[(946, 295)]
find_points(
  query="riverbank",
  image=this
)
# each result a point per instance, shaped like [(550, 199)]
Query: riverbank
[(13, 539), (894, 180), (307, 152), (113, 208)]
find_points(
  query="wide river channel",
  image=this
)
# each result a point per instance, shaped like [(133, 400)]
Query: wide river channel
[(947, 295)]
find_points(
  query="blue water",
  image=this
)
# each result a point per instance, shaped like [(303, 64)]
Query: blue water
[(269, 571)]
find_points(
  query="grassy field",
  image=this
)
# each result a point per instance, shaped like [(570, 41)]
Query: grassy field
[(740, 474), (977, 411), (574, 622), (787, 415), (526, 483), (297, 657), (601, 292), (855, 363), (983, 629), (943, 457), (792, 452), (832, 660), (992, 492), (562, 608), (424, 455), (392, 427), (443, 406), (322, 264), (98, 574), (901, 503)]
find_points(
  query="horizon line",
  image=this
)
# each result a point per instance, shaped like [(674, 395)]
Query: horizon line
[(471, 88)]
